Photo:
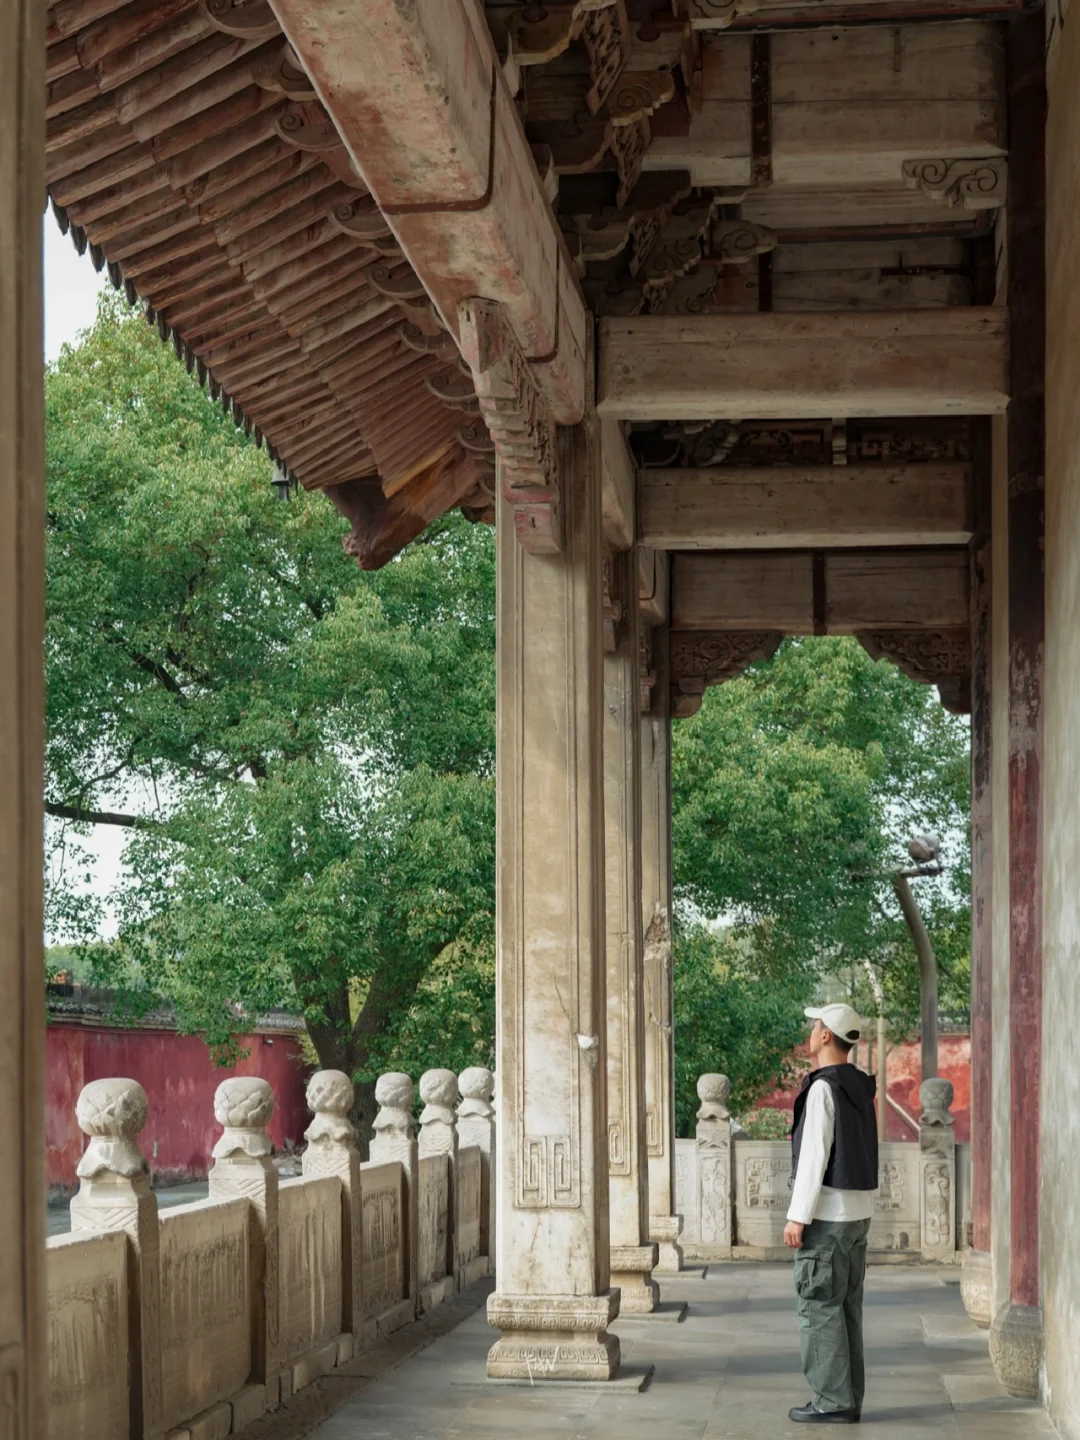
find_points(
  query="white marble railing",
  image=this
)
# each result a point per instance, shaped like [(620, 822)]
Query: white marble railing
[(733, 1192), (192, 1324)]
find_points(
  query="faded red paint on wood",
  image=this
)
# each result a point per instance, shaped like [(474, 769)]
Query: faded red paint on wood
[(982, 940), (1027, 607), (179, 1080)]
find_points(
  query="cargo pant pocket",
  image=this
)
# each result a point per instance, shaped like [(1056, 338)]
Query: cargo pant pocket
[(813, 1273)]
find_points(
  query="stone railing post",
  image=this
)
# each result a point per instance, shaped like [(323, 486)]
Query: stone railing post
[(476, 1126), (439, 1136), (114, 1194), (395, 1139), (244, 1170), (713, 1136), (331, 1151), (937, 1172)]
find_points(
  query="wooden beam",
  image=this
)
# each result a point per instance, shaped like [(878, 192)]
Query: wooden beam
[(799, 507), (654, 585), (710, 367), (419, 98), (829, 594), (618, 471)]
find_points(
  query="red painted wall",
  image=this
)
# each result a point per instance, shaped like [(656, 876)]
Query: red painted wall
[(179, 1080), (954, 1063)]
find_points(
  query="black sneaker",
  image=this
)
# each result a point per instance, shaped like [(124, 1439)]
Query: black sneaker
[(809, 1414)]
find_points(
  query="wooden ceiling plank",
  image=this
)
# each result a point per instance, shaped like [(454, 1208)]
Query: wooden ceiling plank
[(798, 507), (923, 362)]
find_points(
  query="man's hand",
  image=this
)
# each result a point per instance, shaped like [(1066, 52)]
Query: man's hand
[(793, 1234)]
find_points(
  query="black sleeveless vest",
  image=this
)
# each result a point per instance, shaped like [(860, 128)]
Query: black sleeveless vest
[(853, 1159)]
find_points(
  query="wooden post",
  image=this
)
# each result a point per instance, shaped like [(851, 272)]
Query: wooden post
[(1016, 1334), (554, 1302), (633, 1254), (22, 531), (975, 1285)]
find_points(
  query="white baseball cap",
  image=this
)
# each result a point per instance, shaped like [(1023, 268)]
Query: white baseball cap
[(841, 1019)]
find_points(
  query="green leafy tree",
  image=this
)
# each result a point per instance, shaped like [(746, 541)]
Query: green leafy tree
[(796, 788), (303, 755)]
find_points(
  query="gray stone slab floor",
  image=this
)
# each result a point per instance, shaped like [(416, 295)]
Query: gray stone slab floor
[(730, 1371)]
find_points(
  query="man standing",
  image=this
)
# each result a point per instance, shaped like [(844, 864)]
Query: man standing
[(834, 1174)]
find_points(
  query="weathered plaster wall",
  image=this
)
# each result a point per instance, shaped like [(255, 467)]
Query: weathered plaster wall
[(999, 725), (1060, 1160), (177, 1074)]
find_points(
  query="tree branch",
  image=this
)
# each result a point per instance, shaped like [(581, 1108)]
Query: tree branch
[(93, 817)]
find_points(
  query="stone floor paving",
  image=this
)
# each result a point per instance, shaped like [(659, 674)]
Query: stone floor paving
[(729, 1371)]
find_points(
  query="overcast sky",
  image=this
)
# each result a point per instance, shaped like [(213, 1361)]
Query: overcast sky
[(71, 288)]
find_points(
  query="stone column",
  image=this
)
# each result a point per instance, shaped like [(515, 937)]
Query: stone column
[(633, 1255), (395, 1139), (331, 1150), (114, 1194), (1016, 1333), (976, 1280), (438, 1136), (244, 1170), (937, 1172), (23, 1358), (664, 1223), (554, 1301), (476, 1126), (713, 1136)]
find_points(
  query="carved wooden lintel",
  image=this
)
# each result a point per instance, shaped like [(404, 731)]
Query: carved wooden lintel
[(519, 420), (934, 657), (977, 184)]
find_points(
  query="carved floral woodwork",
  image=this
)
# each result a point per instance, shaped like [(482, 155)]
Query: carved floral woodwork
[(606, 34), (254, 21), (519, 420), (737, 241), (933, 657), (703, 658), (977, 184), (810, 442), (719, 14)]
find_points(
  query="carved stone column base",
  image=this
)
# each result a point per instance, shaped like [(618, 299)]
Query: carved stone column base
[(665, 1230), (1016, 1349), (631, 1271), (976, 1287), (553, 1337)]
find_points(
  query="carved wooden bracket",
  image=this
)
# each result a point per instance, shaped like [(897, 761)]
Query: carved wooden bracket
[(979, 184), (709, 657), (255, 21), (736, 241), (606, 33), (519, 419), (933, 657), (719, 14)]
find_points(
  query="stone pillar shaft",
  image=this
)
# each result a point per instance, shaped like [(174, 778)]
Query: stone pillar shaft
[(331, 1151), (664, 1223), (633, 1255), (554, 1299)]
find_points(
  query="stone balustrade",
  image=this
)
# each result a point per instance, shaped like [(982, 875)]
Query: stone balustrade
[(190, 1324), (733, 1193)]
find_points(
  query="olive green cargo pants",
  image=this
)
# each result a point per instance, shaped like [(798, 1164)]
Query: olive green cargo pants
[(829, 1272)]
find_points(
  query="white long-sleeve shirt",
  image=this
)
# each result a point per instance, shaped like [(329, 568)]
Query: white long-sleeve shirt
[(810, 1199)]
